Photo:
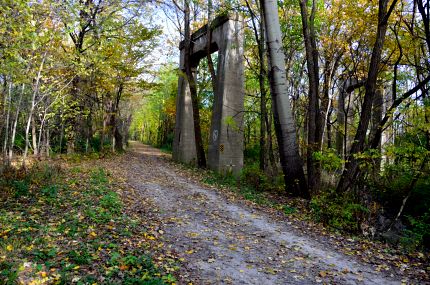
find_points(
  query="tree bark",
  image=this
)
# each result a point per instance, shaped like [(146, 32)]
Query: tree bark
[(314, 117), (259, 37), (34, 136), (201, 157), (8, 100), (378, 102), (284, 121), (341, 118), (15, 124), (351, 167), (33, 105), (348, 86)]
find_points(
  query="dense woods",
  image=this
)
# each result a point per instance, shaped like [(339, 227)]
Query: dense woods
[(337, 105), (68, 69)]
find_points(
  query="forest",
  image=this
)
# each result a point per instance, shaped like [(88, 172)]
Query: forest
[(336, 129)]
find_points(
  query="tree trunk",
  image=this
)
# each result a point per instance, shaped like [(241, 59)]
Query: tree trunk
[(7, 106), (327, 102), (351, 167), (314, 121), (377, 109), (261, 82), (259, 37), (201, 158), (284, 121), (118, 140), (329, 127), (341, 117), (15, 124), (33, 105), (47, 142), (34, 136), (270, 150)]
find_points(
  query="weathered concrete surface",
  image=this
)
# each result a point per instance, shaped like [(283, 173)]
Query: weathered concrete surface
[(225, 150), (184, 147)]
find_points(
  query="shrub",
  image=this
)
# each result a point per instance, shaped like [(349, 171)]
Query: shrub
[(252, 176), (340, 211), (329, 159), (418, 233), (21, 188)]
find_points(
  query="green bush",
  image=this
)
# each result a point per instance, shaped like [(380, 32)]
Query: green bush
[(406, 173), (111, 203), (215, 178), (80, 257), (418, 233), (50, 191), (8, 273), (329, 159), (21, 188), (340, 211), (252, 176), (288, 210), (252, 154)]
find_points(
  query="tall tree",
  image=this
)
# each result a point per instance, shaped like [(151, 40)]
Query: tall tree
[(285, 128), (352, 164), (314, 117), (258, 29), (201, 157)]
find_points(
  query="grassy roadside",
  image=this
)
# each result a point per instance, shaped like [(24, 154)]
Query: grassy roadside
[(72, 226)]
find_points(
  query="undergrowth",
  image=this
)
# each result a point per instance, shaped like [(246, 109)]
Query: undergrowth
[(68, 226), (255, 186)]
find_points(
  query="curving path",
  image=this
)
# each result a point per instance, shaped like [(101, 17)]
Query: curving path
[(227, 242)]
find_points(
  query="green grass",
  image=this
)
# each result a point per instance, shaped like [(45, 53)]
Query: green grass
[(240, 186), (62, 227)]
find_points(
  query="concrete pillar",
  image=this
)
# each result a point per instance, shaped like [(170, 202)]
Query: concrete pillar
[(184, 146), (225, 150)]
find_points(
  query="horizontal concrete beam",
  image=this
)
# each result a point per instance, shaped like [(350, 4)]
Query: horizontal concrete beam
[(217, 22)]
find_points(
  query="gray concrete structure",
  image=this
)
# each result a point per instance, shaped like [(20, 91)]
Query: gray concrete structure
[(225, 150), (184, 146)]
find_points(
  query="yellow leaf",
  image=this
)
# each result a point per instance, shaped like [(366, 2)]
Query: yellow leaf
[(9, 247), (93, 234), (123, 267), (189, 251)]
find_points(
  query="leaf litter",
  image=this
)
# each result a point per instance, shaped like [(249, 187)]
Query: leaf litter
[(222, 239)]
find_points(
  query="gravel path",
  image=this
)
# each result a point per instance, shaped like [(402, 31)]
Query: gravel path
[(227, 242)]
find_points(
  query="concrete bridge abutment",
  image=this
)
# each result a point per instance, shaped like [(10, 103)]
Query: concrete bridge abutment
[(225, 148)]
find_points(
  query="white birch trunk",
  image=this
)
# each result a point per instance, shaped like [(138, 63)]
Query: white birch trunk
[(6, 135), (291, 162), (33, 105), (12, 139)]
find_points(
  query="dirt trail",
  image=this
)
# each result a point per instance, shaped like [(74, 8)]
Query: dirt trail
[(226, 242)]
